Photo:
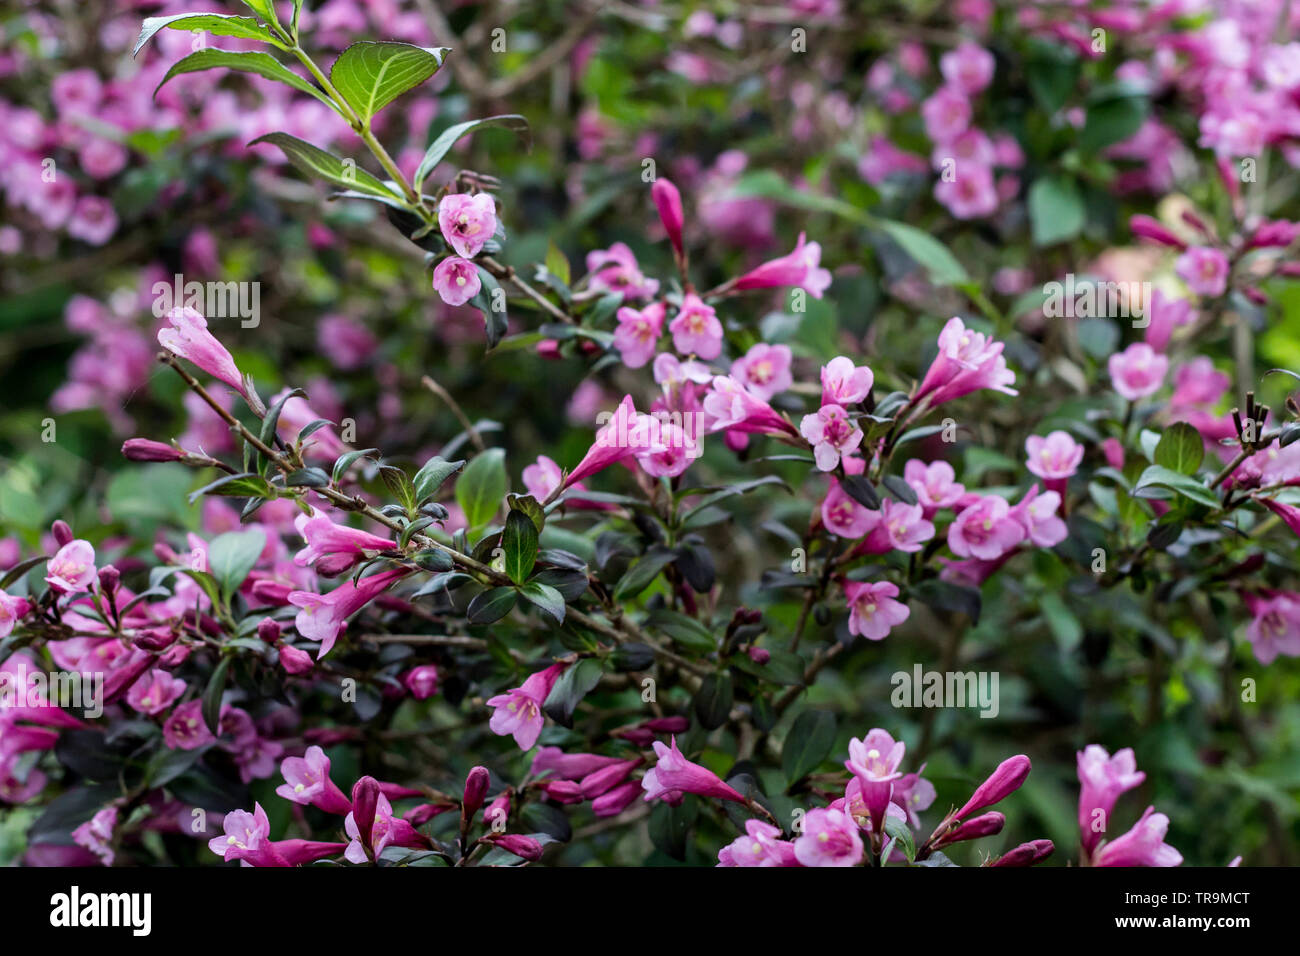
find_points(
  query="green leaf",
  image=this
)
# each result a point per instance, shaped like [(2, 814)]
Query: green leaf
[(902, 834), (769, 184), (1051, 73), (264, 9), (219, 24), (1157, 476), (262, 64), (1056, 211), (1112, 121), (491, 606), (545, 597), (370, 74), (346, 460), (316, 162), (519, 540), (399, 486), (686, 631), (489, 295), (575, 683), (556, 264), (271, 421), (713, 700), (639, 575), (432, 474), (928, 252), (808, 743), (232, 555), (448, 137), (482, 486), (211, 704), (1180, 449)]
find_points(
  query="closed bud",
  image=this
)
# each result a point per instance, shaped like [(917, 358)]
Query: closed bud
[(1027, 854), (986, 824), (155, 639), (295, 661), (268, 630), (476, 787), (518, 844), (1003, 781), (548, 349), (142, 449), (365, 798), (62, 533), (109, 578)]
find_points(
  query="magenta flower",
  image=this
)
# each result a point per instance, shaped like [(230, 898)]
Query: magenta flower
[(971, 193), (844, 516), (518, 711), (323, 616), (246, 835), (613, 443), (800, 268), (844, 383), (1102, 779), (467, 222), (968, 68), (421, 681), (674, 776), (184, 729), (307, 782), (142, 449), (985, 529), (1026, 854), (764, 370), (615, 270), (760, 846), (832, 434), (967, 361), (1204, 269), (900, 528), (456, 280), (96, 834), (730, 406), (1275, 624), (1138, 371), (1001, 783), (668, 201), (1054, 458), (613, 802), (874, 762), (947, 114), (12, 610), (1143, 845), (638, 333), (873, 612), (72, 568), (562, 766), (830, 838), (934, 484), (189, 338), (526, 847), (1037, 515), (671, 450), (696, 329), (155, 692), (325, 539)]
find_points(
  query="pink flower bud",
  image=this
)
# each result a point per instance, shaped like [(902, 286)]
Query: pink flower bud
[(62, 533), (759, 655), (518, 844), (421, 681), (155, 639), (986, 824), (142, 449), (109, 578), (365, 800), (476, 787), (268, 630), (294, 661), (548, 349), (1005, 780), (1144, 227), (419, 816), (669, 203), (1027, 854)]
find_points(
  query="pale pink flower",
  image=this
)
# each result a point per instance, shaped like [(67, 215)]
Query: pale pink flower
[(189, 338), (1143, 845), (967, 361), (96, 834), (830, 838), (731, 406), (1102, 779), (615, 270), (800, 268), (844, 516), (760, 846), (844, 383), (638, 333), (934, 485), (322, 617), (674, 776), (456, 280), (1138, 371), (518, 712), (764, 370), (185, 728), (333, 542), (12, 610), (970, 193), (72, 568), (696, 329), (874, 762), (467, 222), (900, 527), (947, 114), (307, 782), (969, 67), (831, 433), (873, 612), (155, 692), (1037, 515), (1054, 458), (245, 834), (985, 529), (1275, 625), (1204, 269)]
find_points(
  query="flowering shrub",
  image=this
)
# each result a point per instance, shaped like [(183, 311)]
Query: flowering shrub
[(720, 548)]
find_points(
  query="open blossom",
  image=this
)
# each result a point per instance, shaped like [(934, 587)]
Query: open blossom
[(947, 114), (729, 405), (189, 338), (307, 782), (760, 846), (155, 692), (1143, 845), (615, 270), (830, 838), (967, 361), (800, 268), (1275, 625), (1037, 515), (1102, 780), (674, 776), (327, 540), (613, 443), (456, 280), (518, 712), (1138, 371), (12, 609), (245, 834), (1205, 270), (185, 729), (671, 449), (844, 516), (696, 329), (1056, 456), (844, 383), (832, 434), (969, 67), (638, 333), (873, 612), (985, 529), (72, 568), (96, 834), (971, 193), (874, 762), (467, 222), (764, 370), (934, 484), (323, 616), (899, 527)]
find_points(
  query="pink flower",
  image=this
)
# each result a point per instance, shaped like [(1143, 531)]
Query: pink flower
[(96, 834), (844, 516), (800, 268), (185, 728), (323, 616), (526, 847), (621, 434), (638, 333), (946, 113), (421, 681), (1204, 269), (1037, 515), (934, 485), (970, 193), (669, 203), (245, 834), (874, 762), (674, 776), (93, 220), (1138, 371), (1102, 779), (12, 610), (189, 338), (761, 846), (1275, 625), (467, 222), (615, 270), (1164, 315), (331, 541), (518, 711), (613, 802), (967, 361), (671, 450), (155, 692), (1144, 227), (696, 329), (969, 67), (873, 612), (456, 280), (831, 433), (307, 782), (985, 529), (1143, 845), (764, 370), (1054, 458), (900, 528), (830, 838), (72, 568), (729, 405), (1001, 783), (844, 383), (346, 343), (562, 766)]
